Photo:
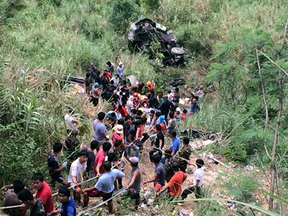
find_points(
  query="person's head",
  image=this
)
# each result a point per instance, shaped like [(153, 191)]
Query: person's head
[(124, 82), (63, 194), (134, 161), (151, 113), (178, 110), (92, 64), (101, 116), (175, 167), (119, 129), (165, 97), (156, 157), (83, 156), (57, 147), (96, 85), (186, 141), (162, 119), (112, 157), (106, 146), (37, 181), (112, 82), (148, 84), (26, 197), (117, 144), (139, 113), (199, 163), (185, 111), (143, 120), (121, 121), (173, 135), (109, 64), (160, 95), (94, 145), (177, 89), (171, 115), (158, 114), (169, 91), (113, 115), (128, 119), (138, 123), (158, 127), (107, 166), (117, 75), (88, 75), (134, 111), (194, 100), (18, 186)]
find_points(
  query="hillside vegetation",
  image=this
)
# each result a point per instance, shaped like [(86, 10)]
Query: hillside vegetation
[(238, 46)]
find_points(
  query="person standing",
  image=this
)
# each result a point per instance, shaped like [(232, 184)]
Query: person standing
[(68, 207), (43, 192), (104, 186), (165, 106), (100, 128), (116, 80), (35, 205), (77, 171), (184, 152), (11, 199), (134, 186), (96, 93), (195, 107), (100, 158), (197, 181), (110, 67), (53, 164), (120, 69)]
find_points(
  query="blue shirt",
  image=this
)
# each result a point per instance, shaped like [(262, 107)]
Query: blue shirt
[(105, 183), (175, 145), (120, 71), (194, 108), (68, 208), (99, 128)]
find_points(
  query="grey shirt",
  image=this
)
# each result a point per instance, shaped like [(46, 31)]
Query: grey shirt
[(137, 184), (11, 200)]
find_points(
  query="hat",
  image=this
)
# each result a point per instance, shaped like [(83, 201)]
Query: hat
[(162, 119), (119, 129), (92, 64), (178, 109), (120, 63), (134, 160), (148, 83), (96, 84), (64, 190)]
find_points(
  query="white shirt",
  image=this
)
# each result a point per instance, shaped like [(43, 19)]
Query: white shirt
[(77, 169), (116, 81), (199, 176), (69, 124), (170, 97)]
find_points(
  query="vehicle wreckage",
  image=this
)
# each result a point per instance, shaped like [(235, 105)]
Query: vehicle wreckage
[(143, 33)]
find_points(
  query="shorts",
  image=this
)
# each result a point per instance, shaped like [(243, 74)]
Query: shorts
[(157, 185), (97, 193), (58, 177), (132, 194)]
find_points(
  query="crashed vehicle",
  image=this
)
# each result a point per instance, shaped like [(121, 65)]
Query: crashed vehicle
[(144, 32)]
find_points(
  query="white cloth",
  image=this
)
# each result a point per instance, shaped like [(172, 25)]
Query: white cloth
[(77, 169), (129, 104), (69, 124), (116, 81), (199, 176), (170, 96)]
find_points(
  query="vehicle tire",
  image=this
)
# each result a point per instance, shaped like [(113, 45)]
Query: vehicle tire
[(177, 51)]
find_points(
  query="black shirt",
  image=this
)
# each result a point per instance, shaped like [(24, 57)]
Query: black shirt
[(38, 209), (53, 162), (160, 136), (165, 106), (126, 128)]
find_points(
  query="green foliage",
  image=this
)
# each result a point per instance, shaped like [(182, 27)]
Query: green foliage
[(150, 5), (122, 13)]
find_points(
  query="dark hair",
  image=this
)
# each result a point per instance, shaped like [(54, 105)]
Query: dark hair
[(107, 165), (87, 75), (152, 111), (38, 176), (173, 134), (185, 111), (94, 144), (186, 140), (143, 120), (158, 114), (109, 63), (121, 121), (57, 147), (117, 75), (101, 116), (128, 117), (169, 91), (176, 89), (138, 122), (158, 127), (156, 157), (18, 186), (133, 111), (117, 142), (171, 115), (139, 113), (175, 166), (106, 146), (112, 157), (83, 152), (124, 82), (199, 163), (64, 190), (25, 195), (112, 82), (112, 114)]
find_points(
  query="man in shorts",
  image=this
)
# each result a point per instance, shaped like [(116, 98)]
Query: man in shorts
[(104, 186), (77, 171), (53, 164)]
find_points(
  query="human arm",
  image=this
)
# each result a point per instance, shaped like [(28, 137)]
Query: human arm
[(70, 211), (154, 178), (163, 189), (134, 177)]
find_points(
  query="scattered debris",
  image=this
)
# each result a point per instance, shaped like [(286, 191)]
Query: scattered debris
[(249, 167), (176, 82)]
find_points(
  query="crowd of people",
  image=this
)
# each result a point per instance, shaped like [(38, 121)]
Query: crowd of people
[(139, 114)]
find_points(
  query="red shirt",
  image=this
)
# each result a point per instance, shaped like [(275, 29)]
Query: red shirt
[(100, 157), (175, 183), (122, 111), (45, 195)]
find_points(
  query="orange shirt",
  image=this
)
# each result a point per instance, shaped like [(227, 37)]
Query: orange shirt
[(175, 183)]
